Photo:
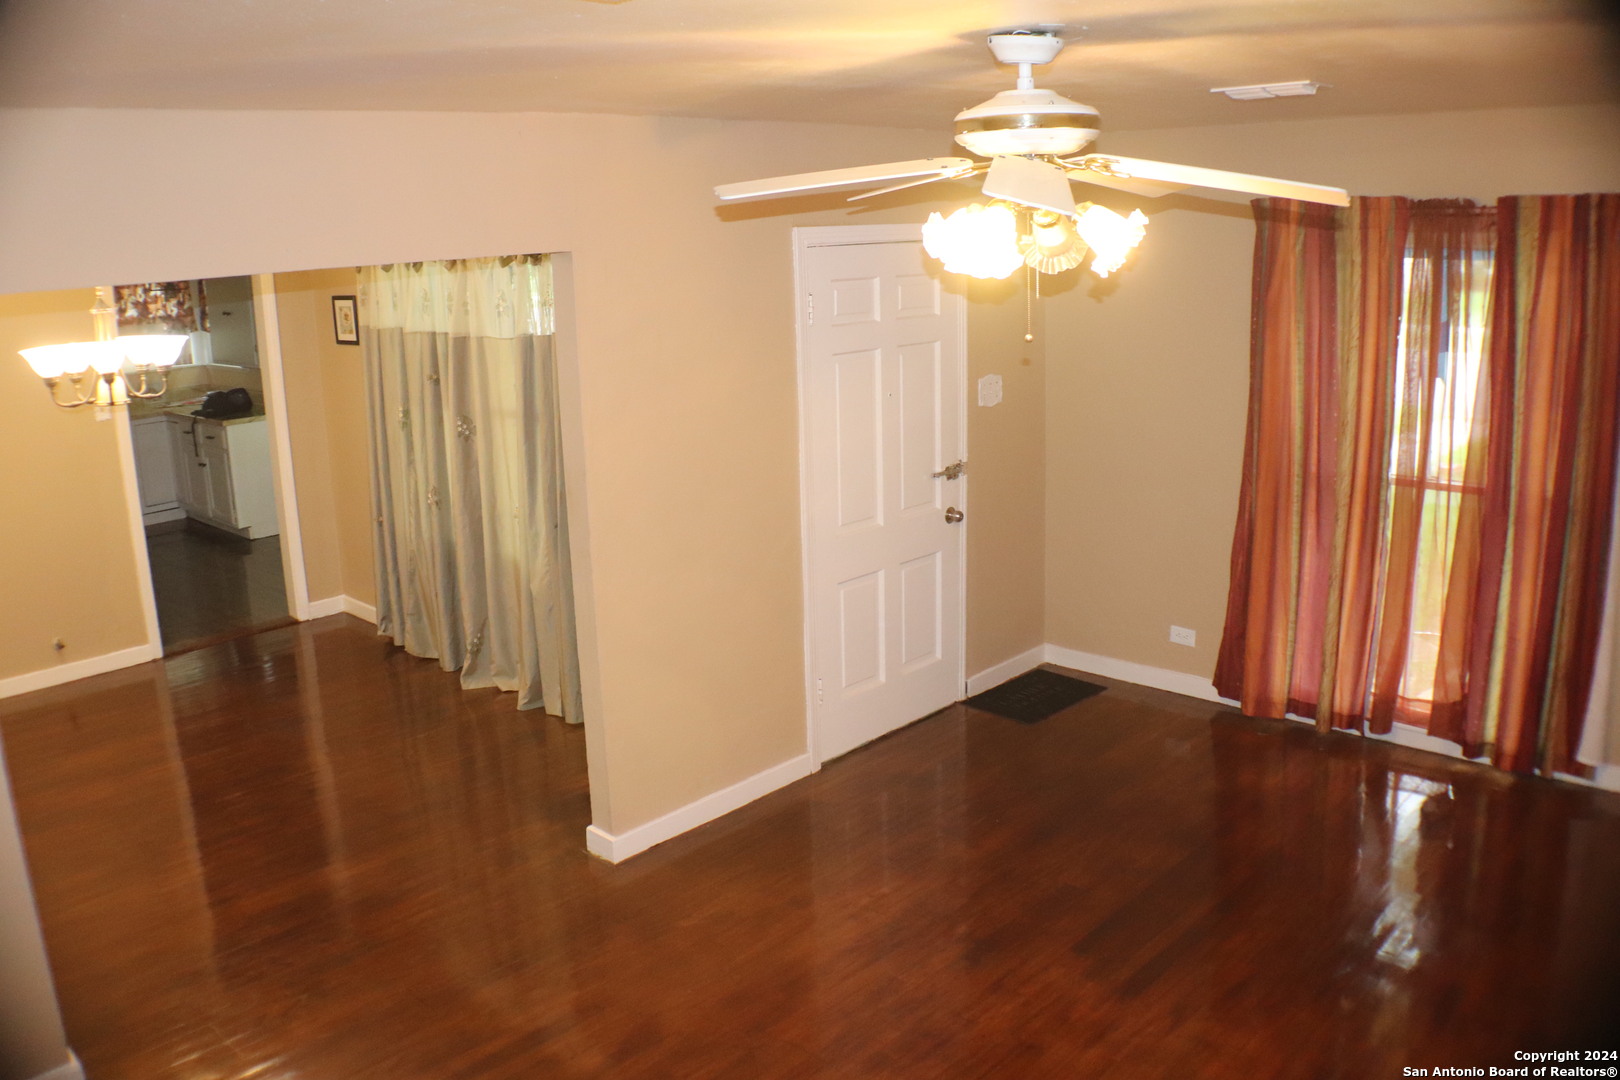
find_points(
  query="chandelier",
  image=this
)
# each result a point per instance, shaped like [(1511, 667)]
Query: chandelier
[(109, 370)]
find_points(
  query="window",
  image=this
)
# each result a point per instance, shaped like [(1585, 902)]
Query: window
[(1445, 310)]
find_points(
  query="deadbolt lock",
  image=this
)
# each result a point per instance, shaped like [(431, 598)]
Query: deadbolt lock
[(951, 471)]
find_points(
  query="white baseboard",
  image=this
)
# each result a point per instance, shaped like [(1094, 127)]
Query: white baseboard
[(617, 848), (342, 605), (161, 517), (79, 669), (996, 674), (1196, 686), (71, 1070), (1177, 682), (360, 609), (327, 605)]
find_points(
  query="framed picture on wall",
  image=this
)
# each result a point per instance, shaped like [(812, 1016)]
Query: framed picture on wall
[(344, 320)]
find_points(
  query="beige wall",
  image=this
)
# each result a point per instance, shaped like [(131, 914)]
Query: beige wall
[(1148, 378), (1006, 599), (67, 560), (682, 342), (326, 415)]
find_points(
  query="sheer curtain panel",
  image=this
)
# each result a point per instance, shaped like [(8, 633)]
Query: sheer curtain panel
[(1355, 507), (467, 482), (1555, 388)]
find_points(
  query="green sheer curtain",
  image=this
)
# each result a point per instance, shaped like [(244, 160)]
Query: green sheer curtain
[(1423, 527), (471, 529)]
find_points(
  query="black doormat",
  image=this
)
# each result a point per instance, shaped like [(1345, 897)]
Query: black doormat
[(1034, 696)]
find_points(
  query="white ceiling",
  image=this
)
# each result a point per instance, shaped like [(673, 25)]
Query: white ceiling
[(905, 63)]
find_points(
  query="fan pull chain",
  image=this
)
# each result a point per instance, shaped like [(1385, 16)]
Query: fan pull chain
[(1032, 286)]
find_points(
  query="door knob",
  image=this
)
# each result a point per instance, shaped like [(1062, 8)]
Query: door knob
[(952, 515)]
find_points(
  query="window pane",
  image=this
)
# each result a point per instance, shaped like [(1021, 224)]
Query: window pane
[(1449, 352)]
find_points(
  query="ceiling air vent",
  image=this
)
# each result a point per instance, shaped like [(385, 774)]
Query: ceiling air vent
[(1268, 90)]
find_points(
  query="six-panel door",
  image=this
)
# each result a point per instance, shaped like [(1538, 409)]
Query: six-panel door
[(885, 391)]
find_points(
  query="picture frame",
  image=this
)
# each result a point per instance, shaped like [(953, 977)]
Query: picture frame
[(345, 320)]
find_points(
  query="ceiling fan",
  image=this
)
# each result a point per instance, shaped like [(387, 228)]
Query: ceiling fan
[(1031, 138)]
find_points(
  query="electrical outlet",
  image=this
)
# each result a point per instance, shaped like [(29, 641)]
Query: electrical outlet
[(1180, 635)]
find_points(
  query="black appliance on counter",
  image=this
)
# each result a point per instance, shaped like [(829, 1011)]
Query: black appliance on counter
[(225, 404)]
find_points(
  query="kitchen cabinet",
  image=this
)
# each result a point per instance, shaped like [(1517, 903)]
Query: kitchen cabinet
[(223, 473), (156, 476)]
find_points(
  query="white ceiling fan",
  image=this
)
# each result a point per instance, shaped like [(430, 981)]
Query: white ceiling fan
[(1030, 137)]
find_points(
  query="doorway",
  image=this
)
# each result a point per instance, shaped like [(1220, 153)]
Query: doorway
[(882, 399), (203, 465)]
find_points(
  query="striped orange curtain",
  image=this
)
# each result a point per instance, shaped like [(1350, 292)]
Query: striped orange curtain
[(1280, 556), (1555, 388), (1355, 499), (1429, 470)]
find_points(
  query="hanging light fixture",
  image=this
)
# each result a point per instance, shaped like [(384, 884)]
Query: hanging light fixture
[(97, 369)]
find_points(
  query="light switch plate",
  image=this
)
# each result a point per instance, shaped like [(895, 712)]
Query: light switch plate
[(990, 390)]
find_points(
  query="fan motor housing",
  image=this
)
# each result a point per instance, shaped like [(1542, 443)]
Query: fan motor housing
[(1027, 122)]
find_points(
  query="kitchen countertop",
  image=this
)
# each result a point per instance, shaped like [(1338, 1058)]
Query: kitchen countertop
[(148, 410)]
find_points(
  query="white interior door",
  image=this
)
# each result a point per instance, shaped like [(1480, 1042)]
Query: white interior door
[(882, 398)]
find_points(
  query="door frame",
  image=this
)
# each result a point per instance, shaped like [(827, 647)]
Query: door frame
[(806, 238), (267, 337)]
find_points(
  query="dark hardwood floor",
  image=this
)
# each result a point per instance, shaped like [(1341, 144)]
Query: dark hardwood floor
[(211, 585), (303, 854)]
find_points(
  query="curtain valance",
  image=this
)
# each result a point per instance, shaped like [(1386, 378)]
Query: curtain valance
[(485, 298)]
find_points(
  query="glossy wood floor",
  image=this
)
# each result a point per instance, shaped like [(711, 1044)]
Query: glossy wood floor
[(210, 585), (304, 854)]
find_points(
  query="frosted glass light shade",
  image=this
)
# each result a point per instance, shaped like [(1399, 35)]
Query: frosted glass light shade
[(1051, 245), (1110, 236), (107, 357), (154, 350), (980, 241), (54, 361)]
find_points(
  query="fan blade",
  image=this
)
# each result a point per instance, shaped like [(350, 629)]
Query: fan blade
[(961, 175), (1194, 176), (1147, 189), (932, 168), (1032, 183)]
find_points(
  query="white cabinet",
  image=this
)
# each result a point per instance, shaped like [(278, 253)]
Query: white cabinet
[(156, 476), (224, 473), (191, 481)]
